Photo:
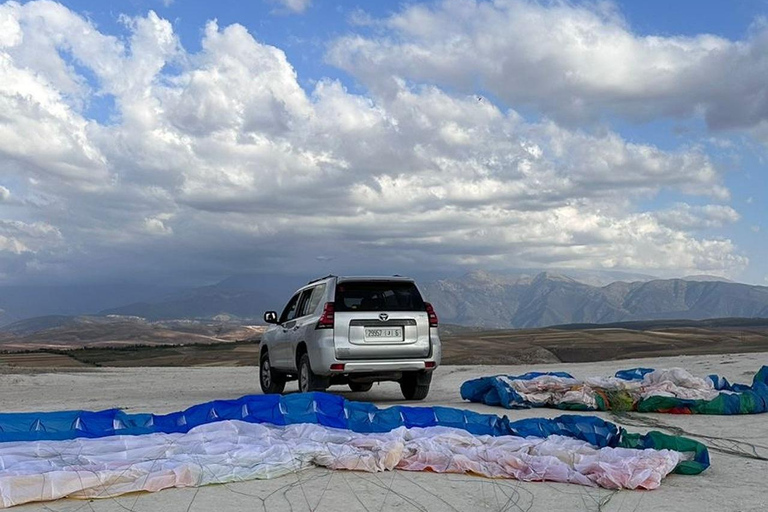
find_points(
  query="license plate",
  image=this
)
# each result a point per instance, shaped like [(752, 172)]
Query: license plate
[(384, 334)]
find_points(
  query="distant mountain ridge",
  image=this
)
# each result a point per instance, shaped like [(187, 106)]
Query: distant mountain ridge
[(526, 299), (244, 297), (487, 300), (66, 332), (490, 300), (199, 303), (19, 302)]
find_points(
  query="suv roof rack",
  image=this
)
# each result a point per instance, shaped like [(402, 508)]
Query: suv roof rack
[(320, 278)]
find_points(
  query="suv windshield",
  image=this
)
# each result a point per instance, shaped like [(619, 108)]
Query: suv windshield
[(378, 296)]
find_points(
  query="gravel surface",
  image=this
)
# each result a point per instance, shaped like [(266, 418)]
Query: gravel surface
[(735, 482)]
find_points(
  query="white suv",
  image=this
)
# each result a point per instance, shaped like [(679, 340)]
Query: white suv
[(355, 331)]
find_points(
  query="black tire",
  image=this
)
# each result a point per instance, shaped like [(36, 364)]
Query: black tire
[(308, 381), (271, 381), (360, 387), (415, 385)]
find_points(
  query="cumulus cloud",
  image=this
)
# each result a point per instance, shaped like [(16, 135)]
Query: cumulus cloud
[(571, 61), (228, 165), (4, 193), (685, 216)]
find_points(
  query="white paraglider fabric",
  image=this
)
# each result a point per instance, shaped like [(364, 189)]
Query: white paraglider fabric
[(554, 390), (232, 451)]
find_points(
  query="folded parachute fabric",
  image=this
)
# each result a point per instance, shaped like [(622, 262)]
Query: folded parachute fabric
[(638, 389), (45, 456)]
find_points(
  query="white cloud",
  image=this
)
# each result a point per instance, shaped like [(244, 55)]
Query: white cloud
[(571, 61), (686, 217), (294, 6), (156, 226), (10, 31), (246, 170), (4, 193), (20, 237)]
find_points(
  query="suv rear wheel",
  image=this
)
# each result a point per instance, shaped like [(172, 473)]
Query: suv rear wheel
[(415, 385), (271, 381), (308, 381)]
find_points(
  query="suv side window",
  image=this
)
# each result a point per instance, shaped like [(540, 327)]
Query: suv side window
[(289, 313), (303, 302), (314, 299)]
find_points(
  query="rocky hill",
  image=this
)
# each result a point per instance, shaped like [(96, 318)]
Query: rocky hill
[(493, 301)]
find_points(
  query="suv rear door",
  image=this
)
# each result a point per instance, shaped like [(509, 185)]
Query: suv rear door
[(306, 318), (380, 319), (280, 351)]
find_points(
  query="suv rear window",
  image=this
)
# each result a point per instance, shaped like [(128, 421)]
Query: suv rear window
[(378, 296)]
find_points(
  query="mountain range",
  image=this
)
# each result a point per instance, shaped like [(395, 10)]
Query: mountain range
[(69, 332), (483, 299), (546, 299)]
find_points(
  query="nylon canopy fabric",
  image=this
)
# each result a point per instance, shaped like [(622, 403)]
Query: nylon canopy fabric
[(320, 408), (672, 390), (107, 453), (231, 451)]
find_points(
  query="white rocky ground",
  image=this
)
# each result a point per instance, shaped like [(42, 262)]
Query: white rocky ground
[(735, 482)]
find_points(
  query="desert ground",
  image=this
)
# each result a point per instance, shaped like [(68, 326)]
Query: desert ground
[(93, 344), (570, 345), (735, 482)]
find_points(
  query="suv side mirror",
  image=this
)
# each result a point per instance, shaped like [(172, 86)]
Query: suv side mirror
[(270, 317)]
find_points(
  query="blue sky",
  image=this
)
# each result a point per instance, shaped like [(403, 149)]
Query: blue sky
[(450, 134)]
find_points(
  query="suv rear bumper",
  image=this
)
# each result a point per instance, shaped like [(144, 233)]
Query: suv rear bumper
[(322, 357), (383, 366)]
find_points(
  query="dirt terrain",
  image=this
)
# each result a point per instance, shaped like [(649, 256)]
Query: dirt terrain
[(598, 344), (459, 347)]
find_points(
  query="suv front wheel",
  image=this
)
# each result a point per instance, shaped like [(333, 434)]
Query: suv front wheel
[(270, 380), (415, 385)]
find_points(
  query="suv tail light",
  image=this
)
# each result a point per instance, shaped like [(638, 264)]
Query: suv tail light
[(431, 314), (326, 319)]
